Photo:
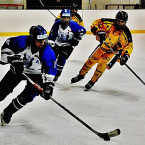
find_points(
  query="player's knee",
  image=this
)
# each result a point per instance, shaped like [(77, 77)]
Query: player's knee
[(101, 67), (90, 62), (23, 100)]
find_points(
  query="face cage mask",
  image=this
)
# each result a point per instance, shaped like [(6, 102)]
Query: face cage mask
[(118, 25), (65, 20), (33, 44)]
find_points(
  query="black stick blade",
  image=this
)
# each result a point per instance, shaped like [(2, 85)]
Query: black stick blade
[(106, 136)]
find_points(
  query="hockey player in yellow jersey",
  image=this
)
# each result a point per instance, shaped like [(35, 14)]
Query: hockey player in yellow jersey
[(112, 33), (74, 15)]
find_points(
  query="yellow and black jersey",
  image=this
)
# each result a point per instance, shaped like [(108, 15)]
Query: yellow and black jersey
[(101, 25), (77, 18), (112, 34)]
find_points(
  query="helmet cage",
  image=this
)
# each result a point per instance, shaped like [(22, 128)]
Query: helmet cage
[(65, 16), (121, 17)]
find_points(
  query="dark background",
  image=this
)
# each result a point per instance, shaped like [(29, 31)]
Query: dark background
[(52, 4)]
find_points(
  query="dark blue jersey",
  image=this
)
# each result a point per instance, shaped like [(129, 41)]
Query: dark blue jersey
[(42, 61), (71, 31)]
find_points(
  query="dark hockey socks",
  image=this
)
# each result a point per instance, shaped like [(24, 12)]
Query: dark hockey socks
[(13, 107)]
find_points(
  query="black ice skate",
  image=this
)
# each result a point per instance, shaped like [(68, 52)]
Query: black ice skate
[(5, 118), (89, 85), (55, 78), (77, 78)]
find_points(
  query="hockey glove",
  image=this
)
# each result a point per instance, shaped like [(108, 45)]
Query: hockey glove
[(74, 42), (51, 43), (101, 36), (48, 90), (16, 64), (124, 59), (94, 29)]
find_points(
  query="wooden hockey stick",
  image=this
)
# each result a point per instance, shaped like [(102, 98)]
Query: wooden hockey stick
[(47, 9), (125, 64), (106, 136)]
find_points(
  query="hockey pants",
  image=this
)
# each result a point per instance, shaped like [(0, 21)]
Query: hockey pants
[(100, 57), (62, 54)]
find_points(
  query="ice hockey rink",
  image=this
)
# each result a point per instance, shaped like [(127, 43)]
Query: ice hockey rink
[(116, 101)]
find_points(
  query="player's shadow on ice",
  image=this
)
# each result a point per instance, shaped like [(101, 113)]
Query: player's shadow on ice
[(109, 93)]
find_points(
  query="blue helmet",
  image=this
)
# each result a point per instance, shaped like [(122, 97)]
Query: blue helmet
[(65, 17), (38, 32), (65, 13)]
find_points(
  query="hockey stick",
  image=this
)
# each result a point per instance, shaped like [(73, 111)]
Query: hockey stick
[(47, 9), (105, 136), (2, 62), (125, 64)]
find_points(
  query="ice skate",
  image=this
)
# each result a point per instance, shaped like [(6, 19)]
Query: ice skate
[(55, 78), (77, 78), (89, 85), (5, 119)]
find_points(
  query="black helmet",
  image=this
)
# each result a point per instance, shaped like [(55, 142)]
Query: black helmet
[(122, 15), (38, 32), (74, 6)]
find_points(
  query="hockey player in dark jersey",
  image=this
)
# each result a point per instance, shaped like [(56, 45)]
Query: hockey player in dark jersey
[(66, 35), (75, 16), (30, 55), (117, 36)]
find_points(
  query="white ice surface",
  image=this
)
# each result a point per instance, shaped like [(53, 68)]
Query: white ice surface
[(116, 101)]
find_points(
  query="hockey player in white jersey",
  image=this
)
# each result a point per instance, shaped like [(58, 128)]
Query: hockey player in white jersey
[(66, 35), (30, 55)]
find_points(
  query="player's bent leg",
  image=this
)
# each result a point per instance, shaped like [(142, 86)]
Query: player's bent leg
[(60, 65), (97, 74), (92, 60), (28, 94), (13, 107), (86, 67), (8, 83)]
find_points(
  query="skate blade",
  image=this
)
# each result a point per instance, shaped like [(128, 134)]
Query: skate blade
[(2, 121), (86, 90)]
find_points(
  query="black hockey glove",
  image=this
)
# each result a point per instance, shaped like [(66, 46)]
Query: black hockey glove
[(93, 30), (101, 35), (124, 59), (74, 42), (48, 90), (16, 64)]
